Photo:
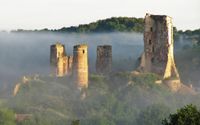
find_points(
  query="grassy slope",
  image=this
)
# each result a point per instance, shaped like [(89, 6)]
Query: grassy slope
[(118, 98)]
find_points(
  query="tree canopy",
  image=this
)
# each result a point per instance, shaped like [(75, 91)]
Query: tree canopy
[(188, 115)]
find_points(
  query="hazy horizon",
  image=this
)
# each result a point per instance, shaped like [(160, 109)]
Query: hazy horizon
[(55, 14)]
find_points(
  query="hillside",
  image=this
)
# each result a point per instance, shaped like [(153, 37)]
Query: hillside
[(120, 24), (114, 24), (122, 98)]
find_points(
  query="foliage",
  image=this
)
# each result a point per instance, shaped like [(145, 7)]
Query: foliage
[(190, 32), (121, 98), (153, 115), (97, 78), (189, 115), (189, 35), (176, 33), (75, 122), (146, 79), (120, 24), (114, 24), (7, 117)]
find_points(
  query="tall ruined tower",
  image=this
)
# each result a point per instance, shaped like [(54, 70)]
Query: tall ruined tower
[(104, 59), (80, 65), (57, 50), (158, 56)]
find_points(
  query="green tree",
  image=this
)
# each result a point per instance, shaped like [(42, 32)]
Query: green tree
[(153, 115), (75, 122), (7, 117), (188, 115)]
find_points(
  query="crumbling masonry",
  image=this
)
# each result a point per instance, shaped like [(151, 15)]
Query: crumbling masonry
[(104, 59), (62, 64), (59, 60), (158, 56), (80, 66), (57, 50)]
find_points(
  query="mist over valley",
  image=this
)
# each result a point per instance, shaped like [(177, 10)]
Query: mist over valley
[(32, 94)]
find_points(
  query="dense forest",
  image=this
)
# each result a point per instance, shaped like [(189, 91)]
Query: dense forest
[(114, 24)]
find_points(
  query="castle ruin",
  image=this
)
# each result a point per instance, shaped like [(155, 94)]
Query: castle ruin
[(80, 65), (104, 59), (60, 61), (158, 56), (57, 50), (62, 64)]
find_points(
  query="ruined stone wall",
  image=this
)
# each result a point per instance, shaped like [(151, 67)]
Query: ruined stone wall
[(104, 59), (62, 66), (158, 54), (69, 66), (57, 50), (80, 65)]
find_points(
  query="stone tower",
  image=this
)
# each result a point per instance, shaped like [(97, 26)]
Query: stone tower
[(80, 65), (57, 50), (104, 59), (62, 66), (158, 56)]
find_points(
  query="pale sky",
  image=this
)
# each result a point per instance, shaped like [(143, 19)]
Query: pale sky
[(55, 14)]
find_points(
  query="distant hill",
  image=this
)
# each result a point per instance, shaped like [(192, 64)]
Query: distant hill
[(191, 35), (121, 24), (114, 24)]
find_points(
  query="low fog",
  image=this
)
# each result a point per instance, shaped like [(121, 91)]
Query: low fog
[(28, 53), (119, 99)]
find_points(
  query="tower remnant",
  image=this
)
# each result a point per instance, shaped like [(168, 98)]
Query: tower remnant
[(80, 65), (62, 66), (57, 50), (70, 64), (158, 56), (60, 61), (104, 59)]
